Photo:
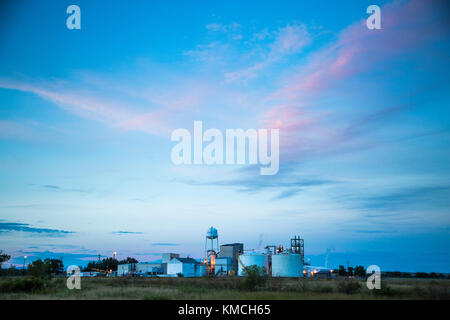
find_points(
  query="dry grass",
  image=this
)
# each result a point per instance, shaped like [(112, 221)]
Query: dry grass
[(229, 289)]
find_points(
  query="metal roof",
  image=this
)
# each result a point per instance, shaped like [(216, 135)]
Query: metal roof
[(185, 260)]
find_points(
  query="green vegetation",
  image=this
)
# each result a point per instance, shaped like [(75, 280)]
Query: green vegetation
[(348, 286), (47, 280), (255, 277), (221, 288), (45, 269), (3, 258), (107, 264)]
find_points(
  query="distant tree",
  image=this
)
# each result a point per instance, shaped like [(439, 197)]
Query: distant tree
[(350, 271), (342, 271), (39, 269), (128, 260), (360, 271), (106, 264), (3, 258), (56, 265), (110, 264), (11, 271), (421, 275), (396, 274)]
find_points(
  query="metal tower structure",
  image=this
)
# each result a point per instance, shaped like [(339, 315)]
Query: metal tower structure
[(211, 252), (298, 247)]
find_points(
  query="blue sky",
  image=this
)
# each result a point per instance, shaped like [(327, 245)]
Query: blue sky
[(86, 117)]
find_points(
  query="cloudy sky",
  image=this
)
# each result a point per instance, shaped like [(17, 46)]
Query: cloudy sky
[(86, 117)]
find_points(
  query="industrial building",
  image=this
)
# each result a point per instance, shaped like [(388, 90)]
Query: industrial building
[(276, 261), (230, 252), (171, 265), (228, 260), (142, 268), (187, 267)]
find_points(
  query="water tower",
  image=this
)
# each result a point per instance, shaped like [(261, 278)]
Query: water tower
[(212, 235), (211, 252)]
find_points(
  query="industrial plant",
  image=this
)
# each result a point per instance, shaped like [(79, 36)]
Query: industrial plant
[(228, 260)]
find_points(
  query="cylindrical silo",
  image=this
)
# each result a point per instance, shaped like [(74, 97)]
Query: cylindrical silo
[(249, 259), (287, 265), (201, 270)]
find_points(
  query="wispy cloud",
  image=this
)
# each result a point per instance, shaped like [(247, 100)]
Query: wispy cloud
[(136, 108), (306, 124), (288, 40), (49, 186), (169, 244), (419, 197), (126, 232), (286, 181), (231, 27), (61, 189), (6, 227)]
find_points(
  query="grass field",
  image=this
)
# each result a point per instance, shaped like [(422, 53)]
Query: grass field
[(222, 288)]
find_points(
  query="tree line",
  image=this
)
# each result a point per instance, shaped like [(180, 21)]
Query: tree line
[(49, 267), (107, 264)]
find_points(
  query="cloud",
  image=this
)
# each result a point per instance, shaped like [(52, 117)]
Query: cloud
[(406, 26), (286, 194), (6, 227), (48, 186), (232, 27), (165, 244), (211, 53), (126, 232), (134, 107), (288, 40), (307, 125), (58, 188), (418, 197), (249, 181)]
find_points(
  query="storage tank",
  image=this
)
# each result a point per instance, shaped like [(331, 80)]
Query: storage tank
[(200, 270), (249, 259), (212, 233), (287, 265)]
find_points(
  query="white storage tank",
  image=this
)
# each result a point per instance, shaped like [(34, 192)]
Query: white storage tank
[(287, 265), (249, 259)]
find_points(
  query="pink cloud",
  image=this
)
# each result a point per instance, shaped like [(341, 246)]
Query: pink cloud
[(406, 27), (82, 103)]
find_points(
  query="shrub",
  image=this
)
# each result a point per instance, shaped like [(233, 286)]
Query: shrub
[(348, 286), (22, 285), (323, 289), (275, 284), (254, 277), (432, 291), (40, 269), (384, 290)]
